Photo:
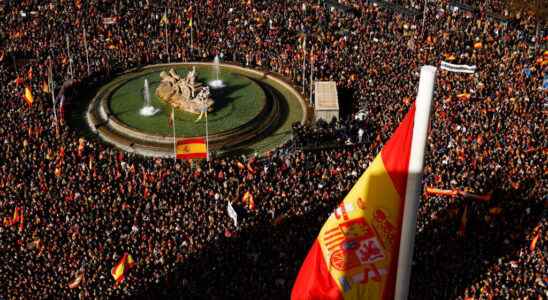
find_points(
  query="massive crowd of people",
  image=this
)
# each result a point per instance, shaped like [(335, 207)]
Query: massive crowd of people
[(85, 203)]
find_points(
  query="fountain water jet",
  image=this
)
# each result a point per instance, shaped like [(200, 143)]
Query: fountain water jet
[(217, 83), (147, 110)]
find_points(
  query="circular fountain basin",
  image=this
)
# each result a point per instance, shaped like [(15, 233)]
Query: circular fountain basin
[(253, 110)]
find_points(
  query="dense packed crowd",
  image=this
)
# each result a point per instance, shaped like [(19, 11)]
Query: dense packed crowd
[(85, 203)]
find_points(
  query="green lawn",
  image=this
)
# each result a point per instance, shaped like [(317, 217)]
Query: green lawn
[(236, 104)]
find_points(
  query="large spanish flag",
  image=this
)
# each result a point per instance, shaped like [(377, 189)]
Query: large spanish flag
[(355, 255), (191, 148), (120, 270)]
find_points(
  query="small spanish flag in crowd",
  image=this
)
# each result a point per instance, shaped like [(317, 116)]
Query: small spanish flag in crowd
[(164, 20), (16, 217), (249, 200), (355, 256), (193, 148), (27, 96), (464, 96), (45, 87), (534, 241), (120, 270), (77, 281)]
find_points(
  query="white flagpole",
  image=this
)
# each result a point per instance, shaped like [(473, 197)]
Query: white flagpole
[(412, 192), (423, 15), (192, 37), (51, 85), (304, 62), (70, 58), (207, 137), (172, 117), (312, 61), (167, 39), (86, 46)]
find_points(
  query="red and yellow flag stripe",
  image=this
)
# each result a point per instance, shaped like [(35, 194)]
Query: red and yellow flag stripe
[(120, 270), (27, 96), (356, 253), (194, 148)]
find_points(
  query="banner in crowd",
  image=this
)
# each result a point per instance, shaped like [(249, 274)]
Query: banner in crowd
[(232, 213), (355, 256), (120, 270), (455, 193), (194, 148), (458, 68)]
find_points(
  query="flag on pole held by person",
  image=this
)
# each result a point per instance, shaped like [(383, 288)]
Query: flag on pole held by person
[(27, 96), (193, 148), (189, 16), (120, 270), (232, 213), (164, 20)]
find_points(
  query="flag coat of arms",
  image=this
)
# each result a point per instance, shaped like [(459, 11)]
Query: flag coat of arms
[(355, 256), (194, 148)]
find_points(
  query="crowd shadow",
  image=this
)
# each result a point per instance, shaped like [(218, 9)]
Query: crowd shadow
[(259, 263), (447, 263)]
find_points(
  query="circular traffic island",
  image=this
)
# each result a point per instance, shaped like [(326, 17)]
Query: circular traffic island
[(252, 111)]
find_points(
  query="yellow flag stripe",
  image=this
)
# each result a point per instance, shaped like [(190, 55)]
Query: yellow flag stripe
[(191, 148), (366, 220)]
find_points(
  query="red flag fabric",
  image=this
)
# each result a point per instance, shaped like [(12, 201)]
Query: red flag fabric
[(534, 241), (355, 255)]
